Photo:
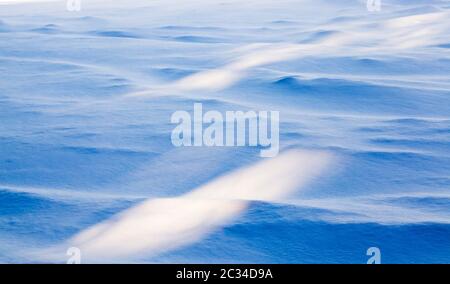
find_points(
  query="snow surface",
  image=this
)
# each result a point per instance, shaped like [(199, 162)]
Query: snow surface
[(85, 105)]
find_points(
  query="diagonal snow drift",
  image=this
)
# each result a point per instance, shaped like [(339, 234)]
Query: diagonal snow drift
[(159, 225)]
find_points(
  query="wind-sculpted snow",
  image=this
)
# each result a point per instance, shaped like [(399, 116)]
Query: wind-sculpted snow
[(86, 157), (158, 225)]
